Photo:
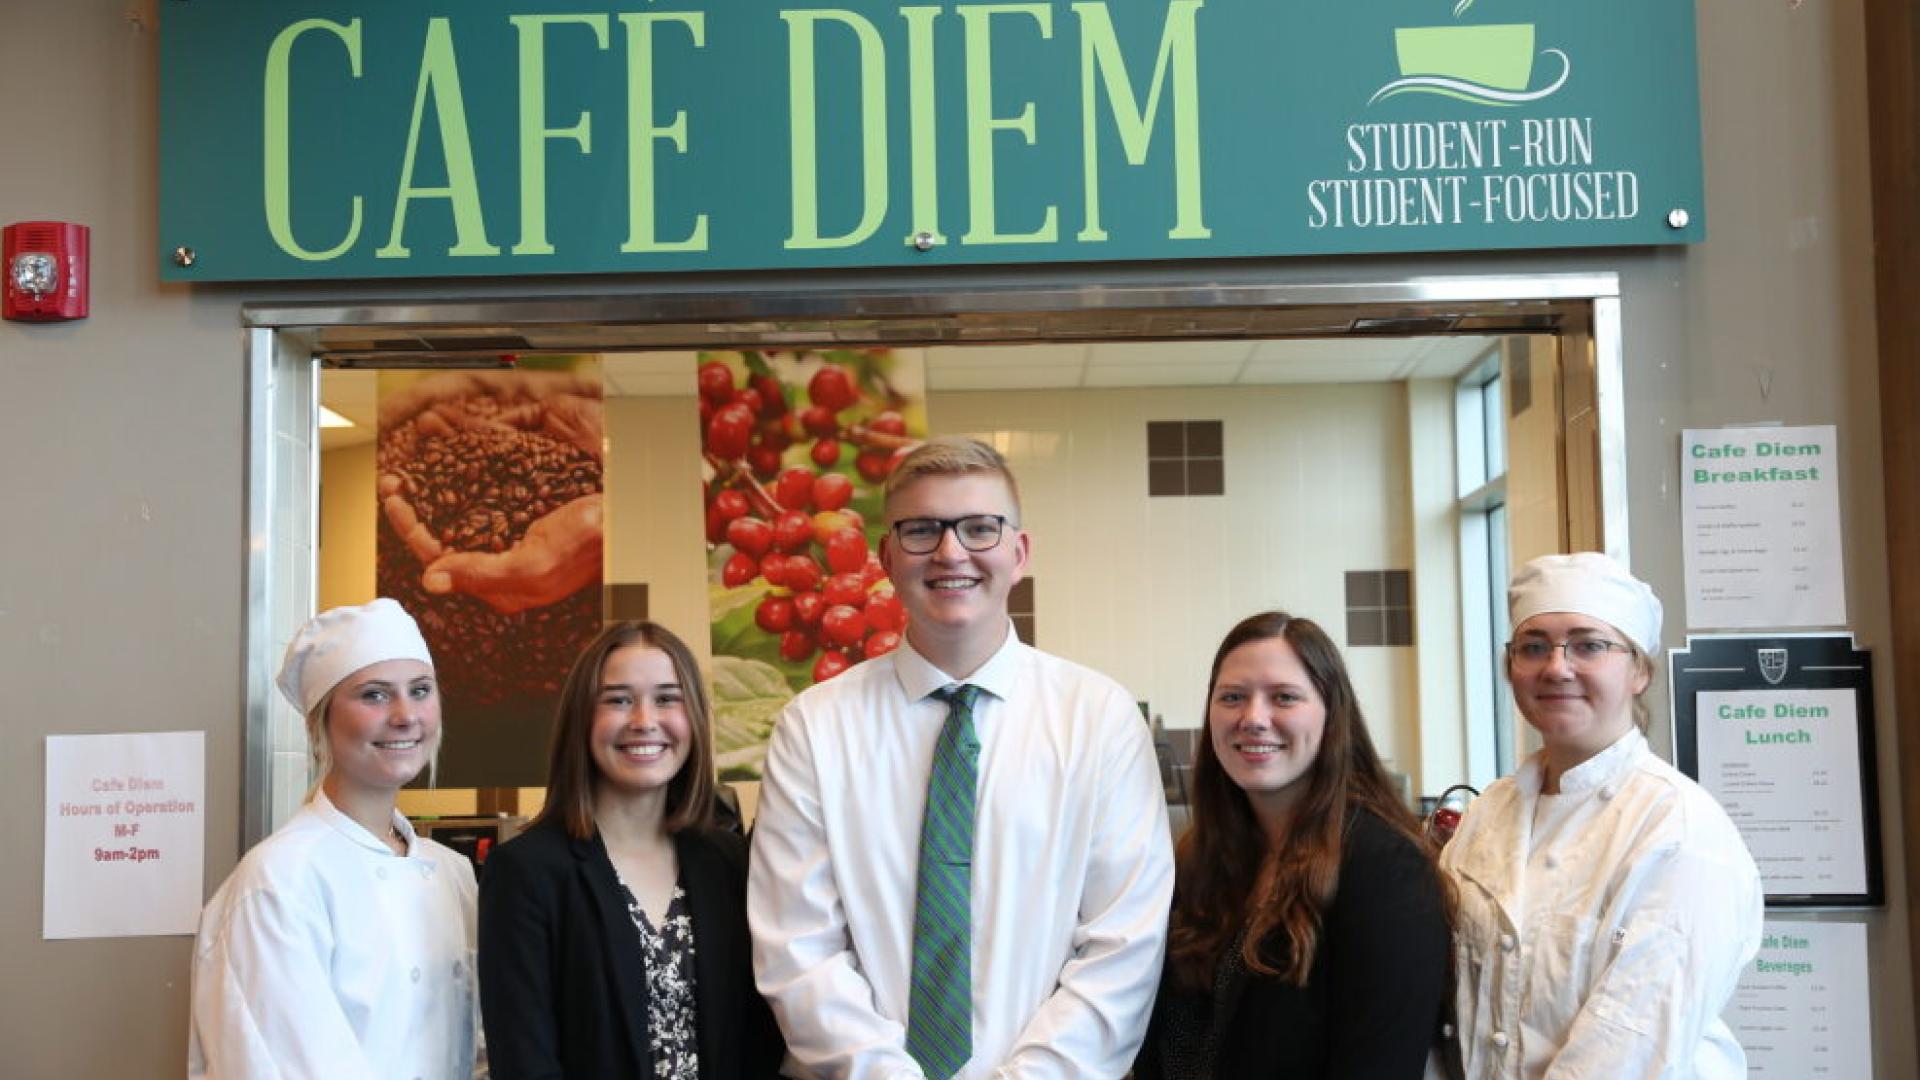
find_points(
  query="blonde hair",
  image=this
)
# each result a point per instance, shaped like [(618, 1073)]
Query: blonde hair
[(951, 455)]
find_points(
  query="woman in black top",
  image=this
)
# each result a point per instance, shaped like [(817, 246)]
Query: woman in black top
[(613, 932), (1309, 934)]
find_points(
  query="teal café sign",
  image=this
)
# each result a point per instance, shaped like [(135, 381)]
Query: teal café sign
[(431, 138)]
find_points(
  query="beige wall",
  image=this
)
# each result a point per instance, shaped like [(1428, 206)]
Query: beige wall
[(1536, 516), (656, 532), (121, 558), (348, 525), (121, 569), (1143, 588)]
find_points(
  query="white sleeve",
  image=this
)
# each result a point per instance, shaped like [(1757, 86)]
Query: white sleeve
[(802, 957), (1094, 1022), (263, 1006), (469, 889), (1688, 923)]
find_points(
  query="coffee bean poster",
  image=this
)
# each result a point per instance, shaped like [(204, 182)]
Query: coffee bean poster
[(795, 449), (491, 533)]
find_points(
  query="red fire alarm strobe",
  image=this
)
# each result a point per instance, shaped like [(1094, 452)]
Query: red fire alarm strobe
[(46, 271)]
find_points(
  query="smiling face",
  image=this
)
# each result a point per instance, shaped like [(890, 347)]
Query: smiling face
[(955, 598), (640, 736), (1578, 713), (1266, 722), (383, 725)]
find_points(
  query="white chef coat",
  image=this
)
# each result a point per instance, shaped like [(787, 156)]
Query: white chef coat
[(326, 955), (1601, 930), (1072, 870)]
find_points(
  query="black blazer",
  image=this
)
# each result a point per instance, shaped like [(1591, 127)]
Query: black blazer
[(1371, 1008), (563, 986)]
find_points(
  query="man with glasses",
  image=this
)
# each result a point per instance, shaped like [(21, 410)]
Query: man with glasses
[(961, 862)]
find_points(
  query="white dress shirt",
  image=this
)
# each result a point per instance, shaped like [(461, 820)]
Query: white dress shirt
[(1072, 868), (326, 955), (1602, 929)]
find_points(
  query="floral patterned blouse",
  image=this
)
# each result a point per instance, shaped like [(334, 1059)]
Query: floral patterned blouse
[(668, 953)]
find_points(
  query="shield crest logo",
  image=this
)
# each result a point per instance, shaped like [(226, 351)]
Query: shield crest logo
[(1773, 665)]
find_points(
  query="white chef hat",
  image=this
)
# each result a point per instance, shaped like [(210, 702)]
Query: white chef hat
[(1587, 583), (335, 644)]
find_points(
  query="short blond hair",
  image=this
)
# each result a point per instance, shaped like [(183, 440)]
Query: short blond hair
[(951, 455)]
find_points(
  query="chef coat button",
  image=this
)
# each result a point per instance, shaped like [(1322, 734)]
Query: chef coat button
[(1608, 792), (1500, 1039), (456, 969), (415, 974), (1446, 1031), (426, 870), (1552, 861), (381, 873), (1508, 943)]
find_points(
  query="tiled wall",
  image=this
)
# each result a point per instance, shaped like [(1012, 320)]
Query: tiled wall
[(291, 570)]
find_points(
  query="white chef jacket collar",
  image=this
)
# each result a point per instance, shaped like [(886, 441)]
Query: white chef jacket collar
[(1595, 772), (357, 832), (919, 678)]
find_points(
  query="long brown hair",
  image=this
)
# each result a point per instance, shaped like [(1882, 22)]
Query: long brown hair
[(571, 776), (1281, 896)]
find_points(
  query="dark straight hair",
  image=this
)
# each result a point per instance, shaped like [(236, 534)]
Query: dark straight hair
[(1232, 875), (571, 775)]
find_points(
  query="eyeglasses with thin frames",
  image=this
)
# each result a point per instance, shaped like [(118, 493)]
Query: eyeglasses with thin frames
[(1583, 654), (976, 532)]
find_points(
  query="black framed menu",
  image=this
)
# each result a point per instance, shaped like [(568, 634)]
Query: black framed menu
[(1779, 729)]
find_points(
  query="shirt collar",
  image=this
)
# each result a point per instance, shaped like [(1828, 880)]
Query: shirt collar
[(356, 832), (919, 678), (1593, 773)]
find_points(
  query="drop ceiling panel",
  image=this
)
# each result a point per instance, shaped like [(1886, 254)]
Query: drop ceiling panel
[(1185, 373), (1449, 357), (1141, 353), (1336, 349), (1006, 356), (1036, 377), (1280, 373)]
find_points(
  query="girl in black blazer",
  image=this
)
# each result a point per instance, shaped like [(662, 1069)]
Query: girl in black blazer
[(613, 932), (1309, 936)]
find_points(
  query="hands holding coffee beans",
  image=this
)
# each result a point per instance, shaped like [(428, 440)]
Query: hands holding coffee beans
[(528, 543), (490, 484)]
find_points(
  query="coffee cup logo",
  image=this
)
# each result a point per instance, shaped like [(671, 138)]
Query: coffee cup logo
[(1484, 65)]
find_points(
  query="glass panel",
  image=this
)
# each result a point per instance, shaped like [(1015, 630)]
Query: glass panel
[(1497, 560), (1494, 412)]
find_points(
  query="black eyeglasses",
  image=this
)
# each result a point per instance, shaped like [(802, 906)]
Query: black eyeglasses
[(976, 532)]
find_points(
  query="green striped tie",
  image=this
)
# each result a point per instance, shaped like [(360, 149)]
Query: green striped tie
[(940, 1008)]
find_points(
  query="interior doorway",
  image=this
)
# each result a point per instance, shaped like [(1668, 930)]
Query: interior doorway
[(1383, 454)]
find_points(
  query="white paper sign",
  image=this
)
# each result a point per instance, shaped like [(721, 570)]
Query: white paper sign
[(1801, 1011), (1761, 514), (1786, 766), (125, 834)]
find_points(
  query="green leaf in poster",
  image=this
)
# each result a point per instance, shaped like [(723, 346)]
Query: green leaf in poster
[(747, 697), (722, 601)]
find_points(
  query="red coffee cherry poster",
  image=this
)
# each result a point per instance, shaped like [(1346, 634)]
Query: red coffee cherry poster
[(796, 447)]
